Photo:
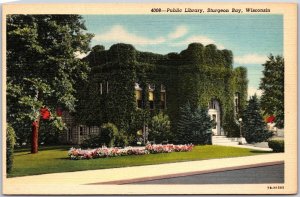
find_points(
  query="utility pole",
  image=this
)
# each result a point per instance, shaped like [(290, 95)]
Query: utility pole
[(241, 136)]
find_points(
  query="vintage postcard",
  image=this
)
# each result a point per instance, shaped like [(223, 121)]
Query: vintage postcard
[(165, 98)]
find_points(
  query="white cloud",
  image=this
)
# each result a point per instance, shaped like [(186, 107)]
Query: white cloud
[(119, 34), (201, 39), (250, 59), (179, 32), (8, 1), (253, 90)]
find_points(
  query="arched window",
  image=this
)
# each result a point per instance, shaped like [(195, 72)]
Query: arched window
[(212, 104)]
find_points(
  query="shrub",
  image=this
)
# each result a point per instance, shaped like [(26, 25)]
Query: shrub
[(92, 142), (108, 134), (159, 128), (276, 145), (10, 143), (121, 139)]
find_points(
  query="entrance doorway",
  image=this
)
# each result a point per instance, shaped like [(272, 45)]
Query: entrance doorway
[(214, 113)]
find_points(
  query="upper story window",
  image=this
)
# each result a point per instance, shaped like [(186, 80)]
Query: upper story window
[(151, 89), (138, 95), (107, 87), (151, 96), (103, 87), (163, 97)]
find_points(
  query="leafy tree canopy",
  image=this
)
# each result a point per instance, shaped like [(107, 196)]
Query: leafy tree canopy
[(42, 65), (272, 85)]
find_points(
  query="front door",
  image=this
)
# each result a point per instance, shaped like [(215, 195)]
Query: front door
[(214, 113)]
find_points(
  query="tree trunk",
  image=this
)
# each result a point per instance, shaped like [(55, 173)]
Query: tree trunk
[(35, 136)]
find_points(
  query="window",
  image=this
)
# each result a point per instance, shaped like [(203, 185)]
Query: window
[(151, 99), (101, 88), (151, 88), (70, 134), (138, 95), (107, 87), (212, 104), (94, 130), (163, 99), (81, 130), (214, 118)]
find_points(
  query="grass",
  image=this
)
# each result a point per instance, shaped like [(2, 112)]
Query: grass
[(55, 159)]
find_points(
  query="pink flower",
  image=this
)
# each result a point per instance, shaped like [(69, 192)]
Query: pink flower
[(113, 152)]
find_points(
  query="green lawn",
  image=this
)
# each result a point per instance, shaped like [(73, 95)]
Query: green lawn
[(55, 159)]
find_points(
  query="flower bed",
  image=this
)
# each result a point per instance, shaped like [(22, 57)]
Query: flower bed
[(77, 154), (168, 148)]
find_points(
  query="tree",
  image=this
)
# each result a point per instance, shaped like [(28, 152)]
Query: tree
[(272, 85), (43, 69), (202, 125), (254, 127), (10, 144), (194, 126), (159, 128)]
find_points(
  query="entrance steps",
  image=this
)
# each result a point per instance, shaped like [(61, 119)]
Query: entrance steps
[(224, 141)]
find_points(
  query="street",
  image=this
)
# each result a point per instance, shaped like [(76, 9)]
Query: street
[(265, 174)]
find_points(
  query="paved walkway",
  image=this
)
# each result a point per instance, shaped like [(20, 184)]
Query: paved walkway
[(250, 146)]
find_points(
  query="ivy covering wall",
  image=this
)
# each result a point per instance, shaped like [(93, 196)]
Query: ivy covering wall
[(196, 75)]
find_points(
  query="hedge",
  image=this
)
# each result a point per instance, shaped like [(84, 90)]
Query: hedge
[(276, 145)]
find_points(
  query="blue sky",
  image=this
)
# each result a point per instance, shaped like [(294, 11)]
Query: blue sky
[(251, 38)]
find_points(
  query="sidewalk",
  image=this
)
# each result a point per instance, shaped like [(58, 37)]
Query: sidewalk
[(131, 174), (250, 146)]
